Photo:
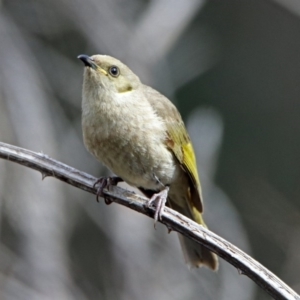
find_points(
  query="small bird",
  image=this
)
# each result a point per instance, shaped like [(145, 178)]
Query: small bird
[(139, 135)]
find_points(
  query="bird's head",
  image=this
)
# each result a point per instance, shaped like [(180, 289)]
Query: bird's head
[(108, 73)]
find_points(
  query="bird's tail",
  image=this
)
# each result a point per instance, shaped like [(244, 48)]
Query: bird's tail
[(195, 254)]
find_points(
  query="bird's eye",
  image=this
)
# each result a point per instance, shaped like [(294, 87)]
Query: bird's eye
[(114, 71)]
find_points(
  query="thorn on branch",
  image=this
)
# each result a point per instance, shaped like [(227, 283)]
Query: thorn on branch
[(44, 175), (241, 272)]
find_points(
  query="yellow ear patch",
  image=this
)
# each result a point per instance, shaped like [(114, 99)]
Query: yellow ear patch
[(125, 89)]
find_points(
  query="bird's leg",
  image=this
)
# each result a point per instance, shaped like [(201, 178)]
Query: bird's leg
[(159, 200), (105, 182)]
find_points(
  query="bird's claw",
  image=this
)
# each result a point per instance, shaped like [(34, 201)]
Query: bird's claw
[(159, 200), (105, 182)]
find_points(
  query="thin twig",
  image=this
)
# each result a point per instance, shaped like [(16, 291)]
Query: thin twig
[(244, 263)]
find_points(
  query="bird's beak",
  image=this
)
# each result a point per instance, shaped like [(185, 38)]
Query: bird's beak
[(88, 62)]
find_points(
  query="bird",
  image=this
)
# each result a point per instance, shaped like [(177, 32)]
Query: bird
[(139, 135)]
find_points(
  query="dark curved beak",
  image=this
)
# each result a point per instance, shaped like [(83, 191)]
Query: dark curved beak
[(88, 62)]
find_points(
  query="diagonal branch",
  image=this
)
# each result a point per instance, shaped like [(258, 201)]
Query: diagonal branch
[(244, 263)]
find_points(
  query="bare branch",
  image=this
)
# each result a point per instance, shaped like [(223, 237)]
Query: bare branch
[(245, 264)]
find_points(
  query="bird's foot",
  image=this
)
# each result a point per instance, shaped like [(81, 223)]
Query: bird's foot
[(105, 182), (159, 200)]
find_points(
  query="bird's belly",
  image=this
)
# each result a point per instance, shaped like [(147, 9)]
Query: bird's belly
[(147, 168), (140, 160)]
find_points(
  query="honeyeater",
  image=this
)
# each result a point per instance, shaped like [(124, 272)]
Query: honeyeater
[(139, 135)]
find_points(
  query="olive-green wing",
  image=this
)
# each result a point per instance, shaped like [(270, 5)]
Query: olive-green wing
[(178, 141)]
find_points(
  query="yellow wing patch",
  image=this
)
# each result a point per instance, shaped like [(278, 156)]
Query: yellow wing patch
[(179, 143), (190, 165)]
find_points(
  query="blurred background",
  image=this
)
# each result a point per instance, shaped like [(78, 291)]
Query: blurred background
[(233, 70)]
